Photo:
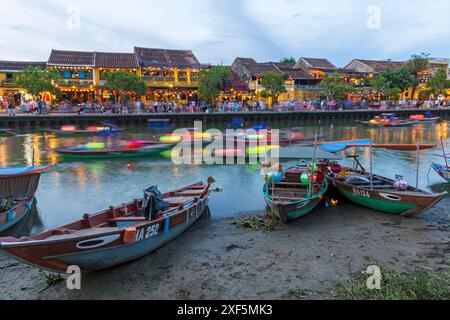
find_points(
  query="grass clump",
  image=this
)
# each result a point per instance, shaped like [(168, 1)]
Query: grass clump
[(51, 278), (421, 284), (254, 223)]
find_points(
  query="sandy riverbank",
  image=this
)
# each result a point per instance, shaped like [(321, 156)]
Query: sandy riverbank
[(215, 260)]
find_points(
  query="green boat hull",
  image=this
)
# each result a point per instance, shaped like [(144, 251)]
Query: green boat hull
[(397, 208), (112, 156), (294, 210)]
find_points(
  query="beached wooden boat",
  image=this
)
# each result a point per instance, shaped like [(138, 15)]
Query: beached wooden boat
[(112, 152), (113, 236), (17, 189), (442, 171), (381, 194), (291, 199)]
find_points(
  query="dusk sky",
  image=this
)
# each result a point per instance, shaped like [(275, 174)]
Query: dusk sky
[(217, 31)]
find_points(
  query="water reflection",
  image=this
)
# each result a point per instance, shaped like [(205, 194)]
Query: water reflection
[(29, 225), (73, 188)]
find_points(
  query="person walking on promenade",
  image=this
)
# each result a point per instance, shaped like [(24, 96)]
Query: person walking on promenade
[(39, 107), (11, 111)]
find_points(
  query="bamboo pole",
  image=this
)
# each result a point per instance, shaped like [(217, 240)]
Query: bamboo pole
[(445, 154), (273, 195), (418, 165), (371, 164), (311, 182)]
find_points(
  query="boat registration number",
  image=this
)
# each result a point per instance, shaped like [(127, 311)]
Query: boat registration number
[(360, 192), (148, 232)]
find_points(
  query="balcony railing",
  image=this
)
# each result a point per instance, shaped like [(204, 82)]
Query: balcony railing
[(76, 83), (8, 83)]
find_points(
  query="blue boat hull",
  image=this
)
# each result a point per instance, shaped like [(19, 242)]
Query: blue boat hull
[(107, 258)]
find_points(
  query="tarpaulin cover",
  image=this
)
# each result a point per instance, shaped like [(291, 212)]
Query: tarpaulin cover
[(20, 183)]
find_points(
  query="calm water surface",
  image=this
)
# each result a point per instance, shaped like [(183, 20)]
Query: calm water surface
[(73, 188)]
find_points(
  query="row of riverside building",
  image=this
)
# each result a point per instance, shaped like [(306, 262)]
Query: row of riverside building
[(172, 75)]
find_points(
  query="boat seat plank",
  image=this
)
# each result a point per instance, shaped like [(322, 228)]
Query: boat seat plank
[(190, 193), (289, 189), (385, 187), (128, 219), (83, 232), (178, 201), (290, 184), (287, 198)]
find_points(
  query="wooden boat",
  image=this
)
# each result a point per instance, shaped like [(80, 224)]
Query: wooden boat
[(113, 236), (379, 193), (17, 189), (291, 199), (93, 131), (288, 196), (428, 118), (284, 138), (7, 132), (442, 171), (336, 146), (82, 152), (389, 120)]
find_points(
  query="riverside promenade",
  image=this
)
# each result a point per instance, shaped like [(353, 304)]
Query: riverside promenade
[(218, 118)]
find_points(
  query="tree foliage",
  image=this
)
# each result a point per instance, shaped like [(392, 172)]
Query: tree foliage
[(37, 80), (333, 88), (392, 82), (273, 83), (212, 82), (290, 60), (124, 83), (217, 80), (416, 65), (438, 84)]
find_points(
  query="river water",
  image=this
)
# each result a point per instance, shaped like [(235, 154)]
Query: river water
[(73, 188)]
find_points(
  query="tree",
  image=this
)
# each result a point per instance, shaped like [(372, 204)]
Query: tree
[(333, 88), (273, 83), (290, 60), (416, 65), (124, 83), (213, 81), (37, 80), (438, 84), (217, 80), (392, 82)]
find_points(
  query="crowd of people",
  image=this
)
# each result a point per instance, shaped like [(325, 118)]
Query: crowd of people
[(138, 107)]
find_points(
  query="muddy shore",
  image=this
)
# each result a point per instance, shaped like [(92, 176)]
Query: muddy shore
[(306, 259)]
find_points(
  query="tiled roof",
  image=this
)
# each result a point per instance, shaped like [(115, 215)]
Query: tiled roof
[(16, 66), (246, 60), (320, 64), (261, 68), (116, 60), (298, 74), (71, 58), (166, 58), (380, 66), (295, 74)]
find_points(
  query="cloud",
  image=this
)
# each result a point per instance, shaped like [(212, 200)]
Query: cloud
[(218, 31)]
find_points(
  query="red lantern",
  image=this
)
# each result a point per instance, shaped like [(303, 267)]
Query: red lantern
[(336, 168)]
